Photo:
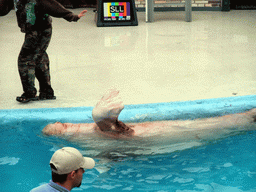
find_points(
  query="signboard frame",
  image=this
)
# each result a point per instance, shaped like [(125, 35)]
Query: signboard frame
[(116, 13)]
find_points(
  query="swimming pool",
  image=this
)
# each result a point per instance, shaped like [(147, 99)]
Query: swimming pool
[(216, 166)]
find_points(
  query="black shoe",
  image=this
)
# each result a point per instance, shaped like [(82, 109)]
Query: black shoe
[(25, 98), (45, 96)]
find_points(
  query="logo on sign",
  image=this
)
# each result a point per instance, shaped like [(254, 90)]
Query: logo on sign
[(116, 9)]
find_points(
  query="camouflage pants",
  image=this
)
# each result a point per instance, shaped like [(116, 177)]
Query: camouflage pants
[(33, 62)]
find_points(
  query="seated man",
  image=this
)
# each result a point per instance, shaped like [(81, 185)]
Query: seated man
[(106, 112)]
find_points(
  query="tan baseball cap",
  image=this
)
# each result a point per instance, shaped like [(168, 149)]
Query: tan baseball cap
[(70, 159)]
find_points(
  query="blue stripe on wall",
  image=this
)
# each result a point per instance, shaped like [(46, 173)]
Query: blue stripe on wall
[(138, 113)]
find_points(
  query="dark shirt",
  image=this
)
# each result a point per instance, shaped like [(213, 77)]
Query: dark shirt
[(35, 14)]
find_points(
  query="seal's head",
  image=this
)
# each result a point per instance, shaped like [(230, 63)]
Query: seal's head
[(55, 129)]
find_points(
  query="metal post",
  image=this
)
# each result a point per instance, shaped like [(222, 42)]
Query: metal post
[(149, 10), (188, 10)]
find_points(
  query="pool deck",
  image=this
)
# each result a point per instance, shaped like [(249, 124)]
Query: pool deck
[(165, 61)]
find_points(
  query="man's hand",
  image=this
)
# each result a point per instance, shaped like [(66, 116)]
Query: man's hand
[(82, 13), (109, 107)]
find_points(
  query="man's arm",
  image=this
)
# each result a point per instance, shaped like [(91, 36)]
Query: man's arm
[(55, 9), (5, 7)]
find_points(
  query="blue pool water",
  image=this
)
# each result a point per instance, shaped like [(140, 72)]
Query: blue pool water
[(226, 165)]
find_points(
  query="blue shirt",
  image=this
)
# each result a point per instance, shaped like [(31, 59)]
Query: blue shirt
[(50, 187)]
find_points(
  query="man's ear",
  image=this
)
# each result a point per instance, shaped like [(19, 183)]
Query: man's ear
[(72, 174)]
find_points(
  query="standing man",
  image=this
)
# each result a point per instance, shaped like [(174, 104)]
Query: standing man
[(34, 20), (67, 165)]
